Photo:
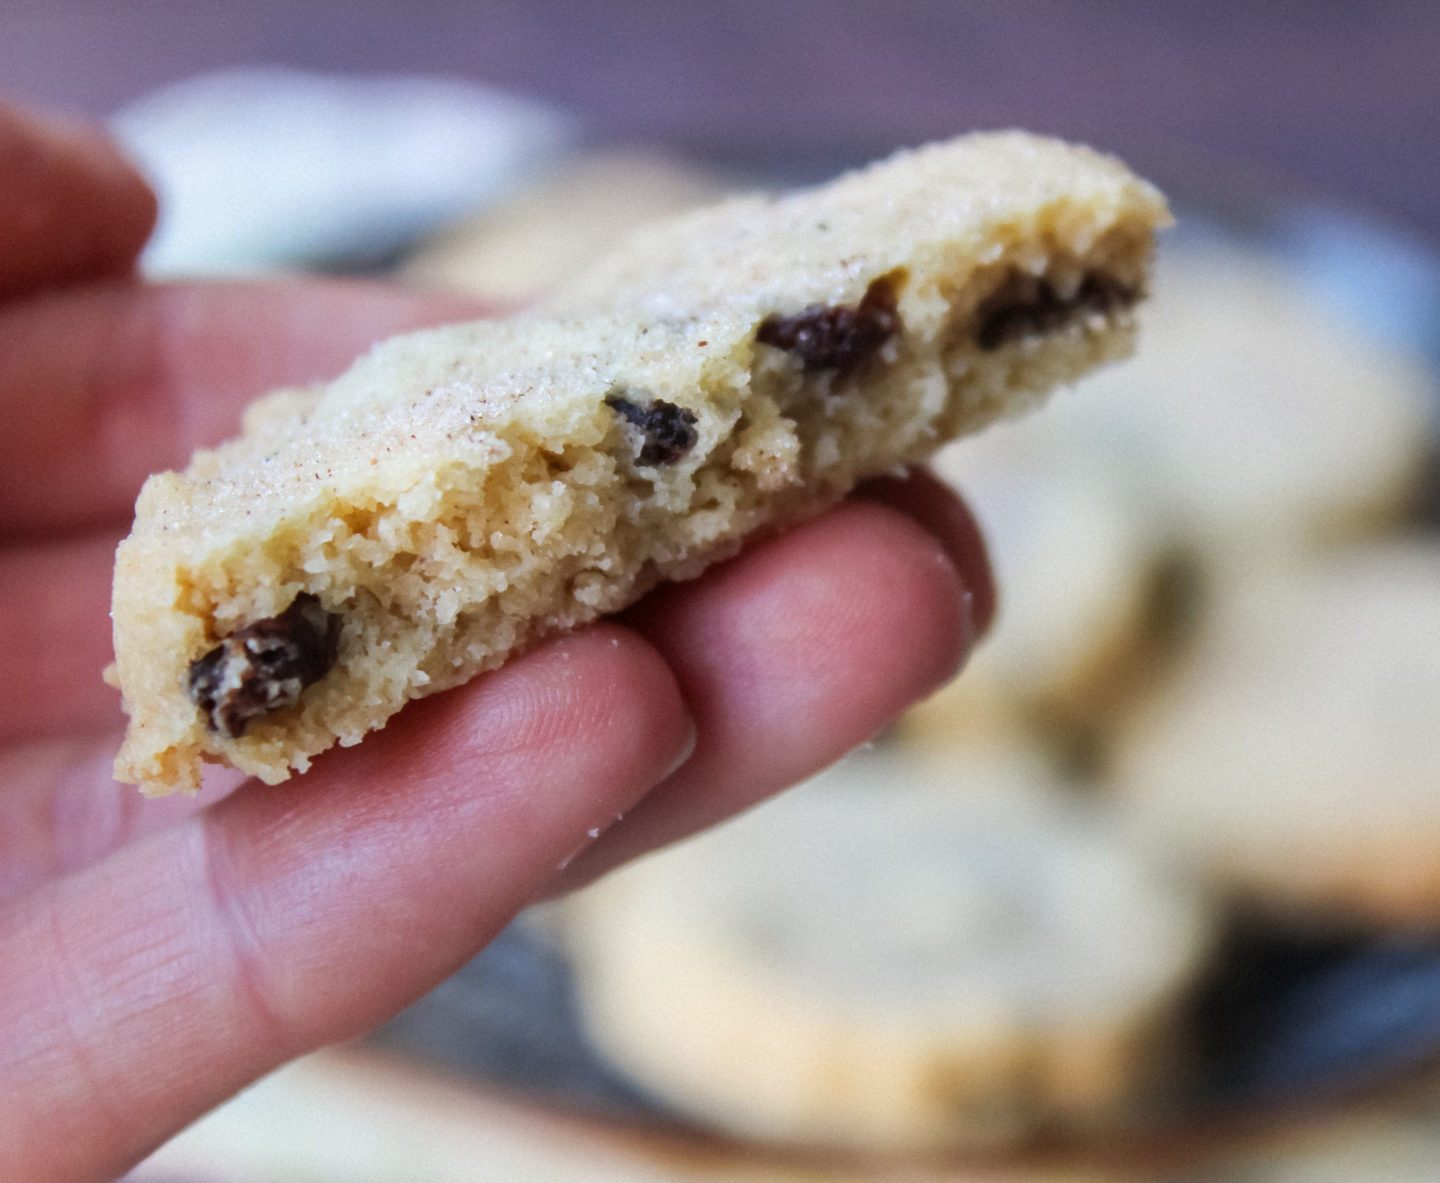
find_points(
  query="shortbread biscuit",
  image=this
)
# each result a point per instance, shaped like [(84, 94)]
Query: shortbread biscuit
[(1298, 755), (886, 962), (1078, 568), (461, 493), (1255, 422)]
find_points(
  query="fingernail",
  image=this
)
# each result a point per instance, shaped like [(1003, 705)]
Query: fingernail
[(687, 749), (970, 635)]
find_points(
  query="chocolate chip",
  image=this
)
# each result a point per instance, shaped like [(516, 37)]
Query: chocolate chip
[(264, 666), (838, 337), (1025, 306), (669, 431)]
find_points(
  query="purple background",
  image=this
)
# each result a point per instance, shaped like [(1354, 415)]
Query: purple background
[(1342, 98)]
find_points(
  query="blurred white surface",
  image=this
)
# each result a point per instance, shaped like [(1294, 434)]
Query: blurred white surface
[(265, 168)]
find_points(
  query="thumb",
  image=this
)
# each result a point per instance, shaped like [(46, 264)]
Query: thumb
[(141, 992)]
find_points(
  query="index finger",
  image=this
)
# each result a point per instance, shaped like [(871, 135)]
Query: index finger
[(71, 207)]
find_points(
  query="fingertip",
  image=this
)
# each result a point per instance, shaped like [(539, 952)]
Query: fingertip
[(792, 653), (914, 607), (72, 208), (921, 496)]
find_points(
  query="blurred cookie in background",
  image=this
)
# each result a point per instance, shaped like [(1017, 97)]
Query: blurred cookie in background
[(529, 244), (1248, 431), (1250, 421), (878, 962), (1081, 574), (1297, 756)]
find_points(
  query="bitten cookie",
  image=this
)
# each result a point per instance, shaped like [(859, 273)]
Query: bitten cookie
[(462, 492)]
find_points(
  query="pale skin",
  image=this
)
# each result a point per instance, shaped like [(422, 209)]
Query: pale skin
[(156, 956)]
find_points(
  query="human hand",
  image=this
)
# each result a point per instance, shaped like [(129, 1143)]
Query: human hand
[(156, 956)]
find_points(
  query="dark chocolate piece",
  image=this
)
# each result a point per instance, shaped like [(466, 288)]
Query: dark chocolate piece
[(669, 430), (264, 666), (1024, 306), (838, 338)]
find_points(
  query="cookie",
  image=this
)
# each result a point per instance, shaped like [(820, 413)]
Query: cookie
[(985, 961), (463, 492), (1078, 568), (1253, 422), (1298, 755), (524, 248)]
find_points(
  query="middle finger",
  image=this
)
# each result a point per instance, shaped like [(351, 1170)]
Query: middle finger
[(55, 638)]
